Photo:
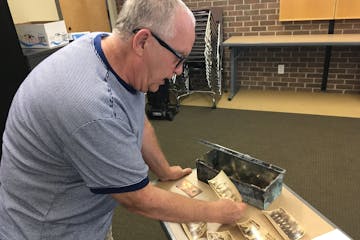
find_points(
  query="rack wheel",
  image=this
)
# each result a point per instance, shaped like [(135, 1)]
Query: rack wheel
[(213, 104), (170, 115)]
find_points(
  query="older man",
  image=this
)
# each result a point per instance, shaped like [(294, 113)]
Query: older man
[(77, 141)]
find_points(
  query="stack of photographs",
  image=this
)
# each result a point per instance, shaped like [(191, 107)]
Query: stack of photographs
[(224, 235), (251, 230), (285, 224), (224, 187), (195, 231)]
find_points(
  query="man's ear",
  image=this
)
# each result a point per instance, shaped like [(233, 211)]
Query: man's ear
[(140, 40)]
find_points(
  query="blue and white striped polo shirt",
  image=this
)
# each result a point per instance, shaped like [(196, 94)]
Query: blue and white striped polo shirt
[(73, 134)]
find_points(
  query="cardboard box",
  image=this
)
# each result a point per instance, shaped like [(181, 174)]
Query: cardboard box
[(42, 34)]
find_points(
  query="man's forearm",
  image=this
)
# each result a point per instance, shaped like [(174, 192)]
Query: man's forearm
[(166, 206), (157, 203), (152, 152)]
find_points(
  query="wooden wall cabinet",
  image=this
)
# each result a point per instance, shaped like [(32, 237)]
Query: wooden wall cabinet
[(300, 10), (347, 9), (85, 15)]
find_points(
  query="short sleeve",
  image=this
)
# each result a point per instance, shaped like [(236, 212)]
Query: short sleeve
[(107, 155)]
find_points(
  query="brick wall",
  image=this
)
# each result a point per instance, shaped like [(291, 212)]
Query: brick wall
[(303, 65)]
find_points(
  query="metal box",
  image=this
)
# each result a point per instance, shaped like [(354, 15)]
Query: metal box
[(258, 182)]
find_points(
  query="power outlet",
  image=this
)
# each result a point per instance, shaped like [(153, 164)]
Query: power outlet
[(281, 69)]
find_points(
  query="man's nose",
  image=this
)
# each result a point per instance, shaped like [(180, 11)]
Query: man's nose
[(179, 69)]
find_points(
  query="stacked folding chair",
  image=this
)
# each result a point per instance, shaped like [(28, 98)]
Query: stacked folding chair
[(203, 68)]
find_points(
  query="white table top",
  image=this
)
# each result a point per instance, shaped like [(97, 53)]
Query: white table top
[(294, 40)]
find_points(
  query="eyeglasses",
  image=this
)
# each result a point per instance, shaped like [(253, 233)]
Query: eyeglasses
[(165, 45)]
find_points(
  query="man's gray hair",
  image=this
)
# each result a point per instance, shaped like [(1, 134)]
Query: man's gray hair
[(156, 15)]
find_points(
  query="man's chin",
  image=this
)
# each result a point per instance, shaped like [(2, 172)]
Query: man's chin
[(153, 88)]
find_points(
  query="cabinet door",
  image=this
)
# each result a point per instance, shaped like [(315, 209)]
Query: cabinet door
[(347, 9), (85, 15), (297, 10)]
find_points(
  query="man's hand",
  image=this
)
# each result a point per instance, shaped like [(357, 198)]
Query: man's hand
[(175, 172), (229, 212)]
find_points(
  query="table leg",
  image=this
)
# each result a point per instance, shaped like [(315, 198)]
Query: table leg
[(326, 68), (233, 77)]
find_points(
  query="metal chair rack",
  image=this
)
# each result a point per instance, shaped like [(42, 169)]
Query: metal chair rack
[(203, 68)]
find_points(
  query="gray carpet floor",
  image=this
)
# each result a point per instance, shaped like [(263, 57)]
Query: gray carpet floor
[(320, 154)]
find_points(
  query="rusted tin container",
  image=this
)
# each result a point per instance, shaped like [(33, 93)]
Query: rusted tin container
[(258, 182)]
